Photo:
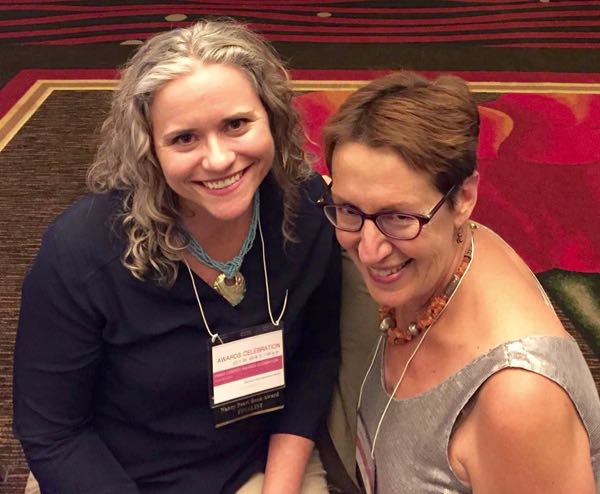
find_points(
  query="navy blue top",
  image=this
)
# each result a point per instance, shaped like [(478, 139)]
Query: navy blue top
[(111, 373)]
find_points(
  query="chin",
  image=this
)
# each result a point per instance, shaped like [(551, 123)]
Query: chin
[(398, 297), (384, 297), (223, 209)]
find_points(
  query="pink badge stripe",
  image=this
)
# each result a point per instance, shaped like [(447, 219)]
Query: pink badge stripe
[(247, 370)]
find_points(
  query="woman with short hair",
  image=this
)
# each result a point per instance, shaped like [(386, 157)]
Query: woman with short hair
[(474, 386)]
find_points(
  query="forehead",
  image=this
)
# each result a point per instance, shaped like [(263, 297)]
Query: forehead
[(207, 86), (358, 167)]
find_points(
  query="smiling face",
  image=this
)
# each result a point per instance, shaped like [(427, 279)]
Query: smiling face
[(398, 273), (213, 141)]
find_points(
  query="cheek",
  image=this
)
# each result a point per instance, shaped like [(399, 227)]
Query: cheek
[(426, 256), (269, 155), (432, 264), (264, 147), (258, 143), (175, 165)]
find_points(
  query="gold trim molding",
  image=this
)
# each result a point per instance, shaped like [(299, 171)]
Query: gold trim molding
[(35, 96)]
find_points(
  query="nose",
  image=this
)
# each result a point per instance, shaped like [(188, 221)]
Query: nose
[(217, 156), (373, 245)]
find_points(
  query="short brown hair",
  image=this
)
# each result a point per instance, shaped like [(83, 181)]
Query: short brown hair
[(432, 125)]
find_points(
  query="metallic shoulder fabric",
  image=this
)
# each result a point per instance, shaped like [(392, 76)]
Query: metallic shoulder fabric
[(412, 444)]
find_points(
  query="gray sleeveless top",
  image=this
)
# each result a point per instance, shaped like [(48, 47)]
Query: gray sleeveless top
[(411, 452)]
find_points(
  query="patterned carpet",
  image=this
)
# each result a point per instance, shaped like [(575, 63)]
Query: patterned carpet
[(530, 35), (46, 147)]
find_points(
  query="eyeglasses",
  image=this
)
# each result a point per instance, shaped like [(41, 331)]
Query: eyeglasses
[(393, 224)]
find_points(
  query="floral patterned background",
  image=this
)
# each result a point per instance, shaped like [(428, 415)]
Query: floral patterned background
[(539, 159)]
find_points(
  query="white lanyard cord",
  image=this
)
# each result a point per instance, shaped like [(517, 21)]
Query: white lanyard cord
[(368, 371), (215, 336), (412, 355), (262, 241)]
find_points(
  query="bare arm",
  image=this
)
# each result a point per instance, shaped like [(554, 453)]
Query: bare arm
[(286, 463), (526, 437)]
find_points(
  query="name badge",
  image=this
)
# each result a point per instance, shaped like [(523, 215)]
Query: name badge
[(248, 374), (364, 460)]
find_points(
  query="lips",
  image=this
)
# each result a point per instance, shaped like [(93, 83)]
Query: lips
[(388, 274), (223, 183)]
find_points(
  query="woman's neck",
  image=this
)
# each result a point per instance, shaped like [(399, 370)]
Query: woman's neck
[(220, 239)]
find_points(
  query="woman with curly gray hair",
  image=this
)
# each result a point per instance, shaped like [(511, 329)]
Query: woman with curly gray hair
[(177, 320)]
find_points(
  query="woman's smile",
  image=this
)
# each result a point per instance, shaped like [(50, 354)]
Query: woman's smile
[(388, 274), (223, 183)]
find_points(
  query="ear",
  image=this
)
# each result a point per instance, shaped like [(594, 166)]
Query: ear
[(466, 199)]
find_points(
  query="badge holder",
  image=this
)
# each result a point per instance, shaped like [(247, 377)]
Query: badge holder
[(247, 375), (247, 372), (365, 448), (365, 460)]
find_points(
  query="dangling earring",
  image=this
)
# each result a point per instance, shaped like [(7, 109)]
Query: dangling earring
[(459, 236)]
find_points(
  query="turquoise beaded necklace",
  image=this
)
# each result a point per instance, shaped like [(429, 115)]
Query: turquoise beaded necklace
[(230, 284)]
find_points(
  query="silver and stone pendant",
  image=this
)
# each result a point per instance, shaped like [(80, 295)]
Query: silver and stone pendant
[(231, 289)]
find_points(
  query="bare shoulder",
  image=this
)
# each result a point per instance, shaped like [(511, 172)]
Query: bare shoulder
[(526, 427), (497, 248), (513, 302)]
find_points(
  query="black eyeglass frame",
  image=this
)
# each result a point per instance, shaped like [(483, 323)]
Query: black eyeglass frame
[(423, 219)]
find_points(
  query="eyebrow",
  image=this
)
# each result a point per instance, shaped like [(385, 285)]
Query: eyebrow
[(240, 114), (396, 208)]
